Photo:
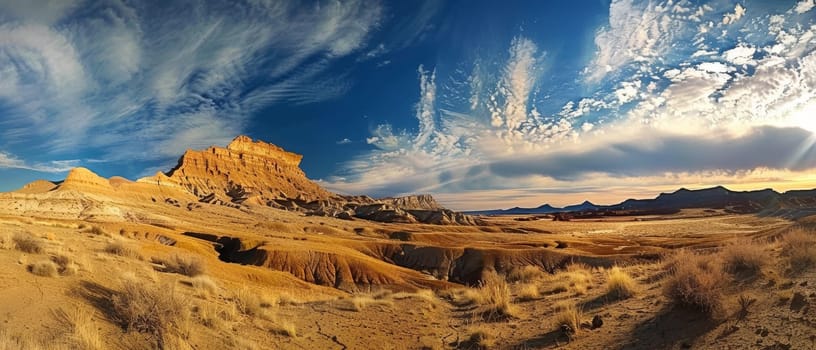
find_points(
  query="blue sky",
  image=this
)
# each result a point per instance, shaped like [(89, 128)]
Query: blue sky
[(483, 104)]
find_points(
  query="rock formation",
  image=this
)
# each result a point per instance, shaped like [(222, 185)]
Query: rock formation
[(245, 171), (243, 175)]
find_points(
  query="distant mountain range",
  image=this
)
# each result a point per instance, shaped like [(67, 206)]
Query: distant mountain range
[(767, 200)]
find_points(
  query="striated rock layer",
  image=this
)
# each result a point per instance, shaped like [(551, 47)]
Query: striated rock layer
[(245, 170)]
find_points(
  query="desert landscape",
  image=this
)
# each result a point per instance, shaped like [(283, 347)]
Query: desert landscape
[(407, 175), (236, 248)]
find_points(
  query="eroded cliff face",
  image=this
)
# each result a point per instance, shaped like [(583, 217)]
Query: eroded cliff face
[(245, 170)]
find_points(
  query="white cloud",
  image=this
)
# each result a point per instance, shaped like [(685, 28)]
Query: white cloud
[(740, 55), (804, 6), (730, 18), (344, 141), (379, 50), (628, 91), (635, 33)]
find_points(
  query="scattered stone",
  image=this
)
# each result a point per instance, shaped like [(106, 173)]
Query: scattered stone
[(798, 302), (597, 322)]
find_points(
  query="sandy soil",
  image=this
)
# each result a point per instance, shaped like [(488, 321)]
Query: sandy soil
[(362, 285)]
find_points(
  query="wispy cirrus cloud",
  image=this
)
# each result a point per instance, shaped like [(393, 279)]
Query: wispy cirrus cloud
[(137, 80), (58, 166)]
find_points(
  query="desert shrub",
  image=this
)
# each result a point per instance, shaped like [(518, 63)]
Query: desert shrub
[(150, 309), (620, 284), (118, 247), (44, 268), (98, 231), (65, 264), (181, 264), (799, 247), (744, 256), (525, 274), (27, 243), (695, 281), (568, 317)]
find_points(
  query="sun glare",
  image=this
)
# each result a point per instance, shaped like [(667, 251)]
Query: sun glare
[(805, 118)]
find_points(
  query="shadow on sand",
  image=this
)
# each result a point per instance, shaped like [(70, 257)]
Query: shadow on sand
[(674, 327), (99, 296)]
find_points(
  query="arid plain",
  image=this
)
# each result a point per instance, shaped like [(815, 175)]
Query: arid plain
[(236, 249)]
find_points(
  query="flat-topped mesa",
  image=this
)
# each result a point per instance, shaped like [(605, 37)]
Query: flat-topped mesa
[(244, 170), (245, 145)]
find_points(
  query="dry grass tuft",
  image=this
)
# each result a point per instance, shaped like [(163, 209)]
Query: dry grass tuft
[(576, 278), (620, 284), (44, 268), (525, 274), (251, 304), (185, 265), (494, 294), (153, 310), (213, 317), (65, 265), (695, 281), (84, 332), (19, 342), (119, 247), (204, 285), (568, 317), (744, 257), (286, 328), (27, 243), (426, 295), (360, 302), (529, 291), (799, 247)]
